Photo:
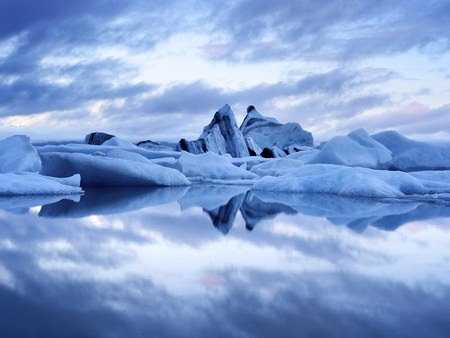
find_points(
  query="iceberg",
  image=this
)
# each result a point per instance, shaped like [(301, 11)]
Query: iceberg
[(101, 171), (409, 155), (349, 181), (357, 149), (211, 166), (17, 155), (268, 132), (12, 184), (221, 136)]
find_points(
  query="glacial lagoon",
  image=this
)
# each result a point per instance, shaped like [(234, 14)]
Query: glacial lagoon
[(223, 261)]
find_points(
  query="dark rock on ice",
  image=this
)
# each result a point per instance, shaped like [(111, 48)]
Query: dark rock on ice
[(97, 138)]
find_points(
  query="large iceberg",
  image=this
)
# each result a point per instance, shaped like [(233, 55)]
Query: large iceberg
[(357, 149), (410, 155), (211, 167), (105, 171), (12, 184), (350, 181), (18, 155), (221, 136), (268, 132)]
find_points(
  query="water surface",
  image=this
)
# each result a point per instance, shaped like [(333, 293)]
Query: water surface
[(217, 261)]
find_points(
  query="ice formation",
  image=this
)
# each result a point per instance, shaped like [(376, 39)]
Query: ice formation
[(105, 171), (18, 155)]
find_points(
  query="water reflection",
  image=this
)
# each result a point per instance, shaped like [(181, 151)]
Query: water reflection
[(134, 263), (223, 203)]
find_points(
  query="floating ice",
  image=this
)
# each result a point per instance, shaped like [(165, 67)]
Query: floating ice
[(211, 166), (410, 155), (357, 149), (104, 171), (18, 155), (12, 184), (349, 181)]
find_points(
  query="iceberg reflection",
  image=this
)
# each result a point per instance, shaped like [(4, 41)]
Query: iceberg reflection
[(136, 263), (224, 203)]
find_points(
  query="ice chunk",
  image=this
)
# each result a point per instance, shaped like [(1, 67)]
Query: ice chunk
[(277, 167), (268, 132), (209, 166), (18, 155), (434, 179), (348, 181), (118, 142), (282, 166), (410, 155), (125, 155), (396, 142), (357, 149), (93, 149), (12, 184), (105, 171), (304, 155)]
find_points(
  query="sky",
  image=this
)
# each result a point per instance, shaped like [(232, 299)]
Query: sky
[(159, 69)]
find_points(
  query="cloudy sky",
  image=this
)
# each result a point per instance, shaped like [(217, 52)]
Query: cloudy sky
[(159, 69)]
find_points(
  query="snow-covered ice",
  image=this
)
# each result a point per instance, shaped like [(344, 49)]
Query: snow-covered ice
[(93, 149), (12, 184), (118, 142), (410, 155), (105, 171), (211, 166), (17, 155), (277, 167), (267, 132), (357, 149), (349, 181)]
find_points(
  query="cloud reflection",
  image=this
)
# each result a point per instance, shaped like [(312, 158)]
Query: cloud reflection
[(140, 265)]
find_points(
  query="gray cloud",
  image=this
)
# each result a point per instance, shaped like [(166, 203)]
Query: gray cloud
[(201, 98), (255, 30), (70, 30)]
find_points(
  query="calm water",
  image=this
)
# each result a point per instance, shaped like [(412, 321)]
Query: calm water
[(223, 262)]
